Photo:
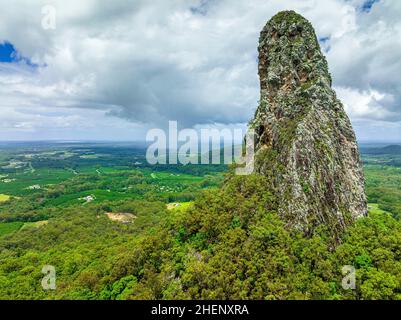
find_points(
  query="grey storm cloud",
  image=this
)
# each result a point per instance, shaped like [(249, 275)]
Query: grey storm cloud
[(192, 61)]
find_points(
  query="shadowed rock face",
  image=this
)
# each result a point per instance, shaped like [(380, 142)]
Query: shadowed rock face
[(304, 139)]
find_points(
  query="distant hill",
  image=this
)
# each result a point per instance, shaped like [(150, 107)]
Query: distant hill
[(391, 149)]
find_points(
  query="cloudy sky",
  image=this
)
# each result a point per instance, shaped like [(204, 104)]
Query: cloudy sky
[(110, 70)]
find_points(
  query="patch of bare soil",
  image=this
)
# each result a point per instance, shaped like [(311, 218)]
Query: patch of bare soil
[(121, 217)]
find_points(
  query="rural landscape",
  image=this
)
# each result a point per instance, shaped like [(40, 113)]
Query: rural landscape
[(199, 157), (117, 228)]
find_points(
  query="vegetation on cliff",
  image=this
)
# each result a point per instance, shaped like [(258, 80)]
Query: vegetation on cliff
[(305, 141)]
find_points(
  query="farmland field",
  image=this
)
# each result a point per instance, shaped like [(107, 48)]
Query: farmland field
[(9, 227), (4, 197)]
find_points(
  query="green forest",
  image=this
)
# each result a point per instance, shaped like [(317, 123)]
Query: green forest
[(115, 227)]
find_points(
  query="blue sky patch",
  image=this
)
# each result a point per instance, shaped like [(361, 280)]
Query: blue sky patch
[(368, 4), (324, 39), (9, 54), (325, 44)]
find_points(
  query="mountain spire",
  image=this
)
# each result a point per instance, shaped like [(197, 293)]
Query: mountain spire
[(304, 139)]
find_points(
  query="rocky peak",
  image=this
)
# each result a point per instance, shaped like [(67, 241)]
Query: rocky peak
[(304, 139)]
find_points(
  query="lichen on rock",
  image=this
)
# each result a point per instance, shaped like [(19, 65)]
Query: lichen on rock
[(304, 139)]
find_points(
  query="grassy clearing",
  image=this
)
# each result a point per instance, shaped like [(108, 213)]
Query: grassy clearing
[(37, 224), (172, 177), (374, 208), (4, 197), (9, 227), (179, 206)]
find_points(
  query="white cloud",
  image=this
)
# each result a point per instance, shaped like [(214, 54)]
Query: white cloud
[(192, 61)]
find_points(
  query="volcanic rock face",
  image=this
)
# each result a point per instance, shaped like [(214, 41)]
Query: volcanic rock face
[(304, 139)]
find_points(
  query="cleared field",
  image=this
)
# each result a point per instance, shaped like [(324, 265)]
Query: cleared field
[(22, 180), (37, 224), (4, 197), (121, 217), (89, 156), (374, 208), (179, 206), (9, 227), (172, 177), (98, 195)]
